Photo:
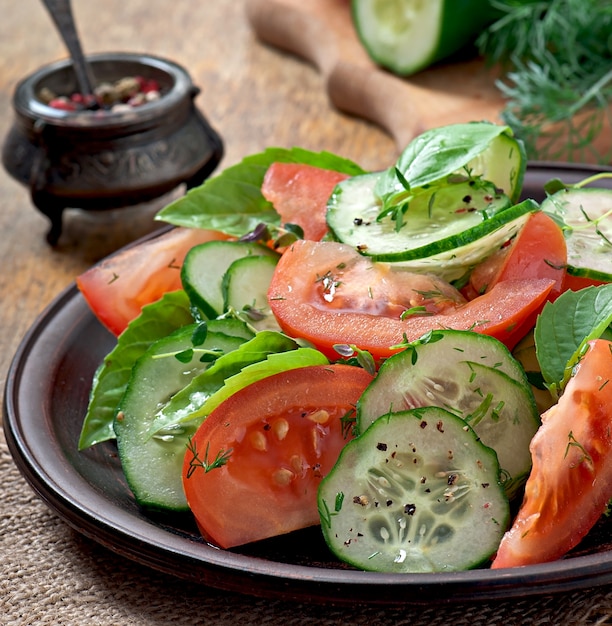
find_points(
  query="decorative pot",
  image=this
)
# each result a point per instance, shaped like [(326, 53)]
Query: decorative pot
[(107, 159)]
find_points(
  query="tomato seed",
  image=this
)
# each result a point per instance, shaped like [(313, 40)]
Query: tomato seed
[(319, 417), (283, 476), (258, 441), (280, 428)]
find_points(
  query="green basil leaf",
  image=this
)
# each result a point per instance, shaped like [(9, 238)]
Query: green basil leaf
[(273, 364), (565, 326), (187, 401), (232, 202), (436, 154), (110, 381)]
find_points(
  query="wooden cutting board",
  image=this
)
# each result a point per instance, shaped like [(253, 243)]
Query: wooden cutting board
[(321, 32)]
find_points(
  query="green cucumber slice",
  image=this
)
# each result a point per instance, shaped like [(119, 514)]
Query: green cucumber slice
[(153, 465), (245, 290), (471, 375), (586, 218), (416, 492), (406, 36), (205, 266), (455, 226)]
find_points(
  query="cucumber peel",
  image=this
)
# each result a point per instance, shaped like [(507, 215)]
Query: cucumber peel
[(406, 36)]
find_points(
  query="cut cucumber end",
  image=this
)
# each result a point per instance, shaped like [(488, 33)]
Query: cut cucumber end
[(406, 36), (401, 36), (205, 266)]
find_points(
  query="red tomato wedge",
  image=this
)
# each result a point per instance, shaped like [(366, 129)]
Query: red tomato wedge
[(538, 251), (571, 478), (279, 448), (329, 294), (576, 283), (299, 193), (118, 287)]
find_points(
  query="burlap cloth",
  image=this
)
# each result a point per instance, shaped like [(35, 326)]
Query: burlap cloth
[(51, 575)]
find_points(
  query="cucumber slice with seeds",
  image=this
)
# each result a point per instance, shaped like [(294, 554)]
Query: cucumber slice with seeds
[(471, 375), (152, 465), (586, 218), (417, 492), (452, 228)]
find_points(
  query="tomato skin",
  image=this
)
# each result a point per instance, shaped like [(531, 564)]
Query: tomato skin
[(538, 251), (507, 312), (576, 283), (299, 193), (571, 479), (289, 437), (118, 287)]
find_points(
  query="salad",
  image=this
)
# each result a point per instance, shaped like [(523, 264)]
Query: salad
[(414, 359)]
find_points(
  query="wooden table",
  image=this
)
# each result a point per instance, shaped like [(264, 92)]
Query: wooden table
[(255, 97)]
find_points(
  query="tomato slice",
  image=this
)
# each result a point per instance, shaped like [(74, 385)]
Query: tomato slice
[(278, 450), (571, 478), (118, 287), (299, 193), (538, 251), (329, 294), (576, 283)]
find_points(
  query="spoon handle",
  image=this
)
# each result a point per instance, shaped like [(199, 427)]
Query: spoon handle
[(61, 13)]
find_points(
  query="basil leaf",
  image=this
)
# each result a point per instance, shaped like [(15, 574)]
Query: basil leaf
[(436, 154), (189, 399), (272, 364), (565, 326), (110, 381), (232, 202)]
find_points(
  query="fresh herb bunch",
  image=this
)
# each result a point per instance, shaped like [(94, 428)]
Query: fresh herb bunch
[(557, 62)]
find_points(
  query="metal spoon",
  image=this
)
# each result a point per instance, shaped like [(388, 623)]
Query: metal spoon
[(61, 12)]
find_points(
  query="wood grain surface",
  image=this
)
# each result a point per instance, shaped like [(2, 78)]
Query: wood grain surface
[(321, 32)]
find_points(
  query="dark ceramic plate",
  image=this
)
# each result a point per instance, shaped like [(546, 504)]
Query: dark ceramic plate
[(45, 400)]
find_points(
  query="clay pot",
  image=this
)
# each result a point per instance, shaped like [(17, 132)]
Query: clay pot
[(97, 160)]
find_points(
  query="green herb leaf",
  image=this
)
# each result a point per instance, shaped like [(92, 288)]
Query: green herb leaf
[(558, 82), (267, 353), (157, 320), (232, 202), (433, 156), (565, 326)]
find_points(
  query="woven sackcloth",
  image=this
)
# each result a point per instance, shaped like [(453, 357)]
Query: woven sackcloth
[(52, 576)]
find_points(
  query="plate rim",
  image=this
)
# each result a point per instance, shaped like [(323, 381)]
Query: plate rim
[(233, 571)]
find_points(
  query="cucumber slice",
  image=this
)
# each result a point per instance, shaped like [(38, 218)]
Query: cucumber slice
[(417, 492), (525, 353), (471, 375), (153, 465), (205, 266), (455, 225), (586, 218), (245, 289), (406, 36)]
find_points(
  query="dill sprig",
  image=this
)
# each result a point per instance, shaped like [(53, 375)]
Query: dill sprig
[(557, 61)]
